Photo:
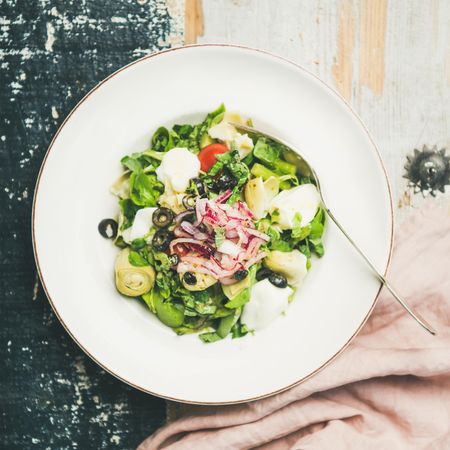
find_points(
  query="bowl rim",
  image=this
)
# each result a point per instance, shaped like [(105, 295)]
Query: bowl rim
[(156, 54)]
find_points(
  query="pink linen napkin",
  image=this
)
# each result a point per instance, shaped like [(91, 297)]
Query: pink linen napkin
[(390, 389)]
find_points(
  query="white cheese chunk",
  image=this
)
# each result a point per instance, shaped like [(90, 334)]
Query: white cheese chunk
[(141, 225), (177, 167), (266, 303), (303, 199)]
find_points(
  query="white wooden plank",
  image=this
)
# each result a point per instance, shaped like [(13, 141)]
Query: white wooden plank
[(391, 59)]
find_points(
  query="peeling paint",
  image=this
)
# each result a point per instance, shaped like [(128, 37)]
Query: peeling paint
[(50, 56), (50, 37), (55, 114), (118, 20)]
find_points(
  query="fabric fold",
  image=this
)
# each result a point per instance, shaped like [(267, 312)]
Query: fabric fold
[(389, 389)]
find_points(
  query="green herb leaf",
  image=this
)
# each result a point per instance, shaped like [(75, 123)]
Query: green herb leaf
[(273, 233), (162, 140), (296, 225), (280, 245), (275, 215), (211, 119), (129, 210), (154, 155), (265, 152), (304, 248), (317, 246), (298, 232), (162, 261), (200, 302), (317, 225), (238, 330), (240, 300), (145, 189), (149, 299), (136, 259), (138, 243), (236, 168), (132, 163), (219, 236), (288, 181), (183, 131), (209, 337)]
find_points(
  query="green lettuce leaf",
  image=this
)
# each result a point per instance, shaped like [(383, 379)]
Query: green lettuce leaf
[(240, 300), (265, 152), (145, 189), (136, 259), (162, 140), (209, 337), (238, 330)]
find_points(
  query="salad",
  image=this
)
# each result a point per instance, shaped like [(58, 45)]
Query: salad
[(215, 228)]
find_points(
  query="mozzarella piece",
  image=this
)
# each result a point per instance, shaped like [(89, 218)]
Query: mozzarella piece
[(229, 248), (266, 303), (141, 225), (303, 199), (177, 167)]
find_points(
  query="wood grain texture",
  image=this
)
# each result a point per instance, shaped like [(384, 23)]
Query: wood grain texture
[(343, 64), (372, 38), (52, 52), (391, 60), (193, 25)]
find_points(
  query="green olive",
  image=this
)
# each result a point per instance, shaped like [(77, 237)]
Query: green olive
[(226, 323), (169, 313)]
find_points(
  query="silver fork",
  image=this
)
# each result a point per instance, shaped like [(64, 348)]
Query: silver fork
[(295, 157)]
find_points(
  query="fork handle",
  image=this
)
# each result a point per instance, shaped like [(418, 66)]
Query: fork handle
[(418, 318)]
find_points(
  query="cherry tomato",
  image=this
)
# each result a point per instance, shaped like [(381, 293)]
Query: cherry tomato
[(207, 155)]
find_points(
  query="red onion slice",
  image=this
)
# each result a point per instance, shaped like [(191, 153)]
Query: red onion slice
[(223, 197)]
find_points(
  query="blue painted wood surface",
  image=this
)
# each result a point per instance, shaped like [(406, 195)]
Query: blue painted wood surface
[(52, 52)]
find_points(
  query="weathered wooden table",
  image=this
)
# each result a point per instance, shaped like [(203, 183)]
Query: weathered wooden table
[(390, 60)]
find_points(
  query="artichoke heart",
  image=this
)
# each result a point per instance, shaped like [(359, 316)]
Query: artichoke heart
[(121, 187), (293, 265), (259, 194), (172, 201), (232, 290), (204, 281), (132, 280)]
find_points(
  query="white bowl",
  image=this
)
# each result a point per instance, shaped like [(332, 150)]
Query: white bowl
[(76, 264)]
